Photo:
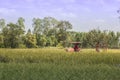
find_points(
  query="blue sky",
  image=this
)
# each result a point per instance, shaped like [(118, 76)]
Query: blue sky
[(83, 14)]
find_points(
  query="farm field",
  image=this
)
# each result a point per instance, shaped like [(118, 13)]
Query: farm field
[(57, 64)]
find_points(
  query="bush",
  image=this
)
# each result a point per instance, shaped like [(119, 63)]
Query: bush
[(4, 59), (1, 45), (59, 45), (22, 46)]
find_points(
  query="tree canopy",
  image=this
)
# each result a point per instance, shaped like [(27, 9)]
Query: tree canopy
[(52, 32)]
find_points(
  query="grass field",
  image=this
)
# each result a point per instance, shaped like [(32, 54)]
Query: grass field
[(57, 64)]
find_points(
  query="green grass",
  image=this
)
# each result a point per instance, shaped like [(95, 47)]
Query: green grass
[(57, 64)]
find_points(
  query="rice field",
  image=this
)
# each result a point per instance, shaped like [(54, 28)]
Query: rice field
[(57, 64)]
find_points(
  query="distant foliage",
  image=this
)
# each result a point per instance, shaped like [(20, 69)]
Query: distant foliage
[(50, 32)]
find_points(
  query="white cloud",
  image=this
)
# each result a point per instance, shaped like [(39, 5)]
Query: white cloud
[(69, 15), (7, 11), (30, 0), (118, 0), (96, 2), (100, 21), (68, 1), (102, 2), (86, 9)]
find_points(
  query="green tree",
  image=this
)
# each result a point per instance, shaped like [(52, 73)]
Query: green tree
[(11, 35), (63, 27), (38, 26), (2, 24), (30, 40), (46, 26), (51, 41), (38, 29), (43, 41), (1, 41), (113, 39), (21, 24), (50, 23)]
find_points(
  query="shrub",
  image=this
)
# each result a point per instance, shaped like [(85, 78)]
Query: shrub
[(4, 59)]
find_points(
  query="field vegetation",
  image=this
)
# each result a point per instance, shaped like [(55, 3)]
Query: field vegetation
[(57, 64)]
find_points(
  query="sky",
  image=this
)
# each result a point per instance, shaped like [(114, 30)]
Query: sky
[(84, 15)]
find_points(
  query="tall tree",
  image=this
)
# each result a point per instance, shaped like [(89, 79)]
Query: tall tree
[(1, 41), (63, 27), (93, 37), (20, 22), (49, 23), (38, 26), (43, 40), (38, 29), (11, 35), (2, 24), (30, 40)]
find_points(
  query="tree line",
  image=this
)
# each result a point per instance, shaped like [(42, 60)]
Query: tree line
[(50, 32)]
